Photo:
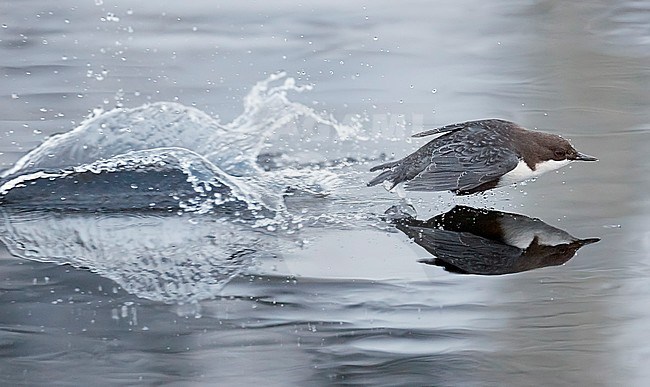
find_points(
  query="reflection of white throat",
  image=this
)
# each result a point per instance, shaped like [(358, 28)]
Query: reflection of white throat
[(520, 232), (523, 172)]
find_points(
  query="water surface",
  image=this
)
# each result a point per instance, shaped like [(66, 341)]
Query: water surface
[(289, 275)]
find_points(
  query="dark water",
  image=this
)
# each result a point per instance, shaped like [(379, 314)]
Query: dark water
[(213, 292)]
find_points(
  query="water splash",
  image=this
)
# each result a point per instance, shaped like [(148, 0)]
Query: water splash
[(167, 201), (186, 139)]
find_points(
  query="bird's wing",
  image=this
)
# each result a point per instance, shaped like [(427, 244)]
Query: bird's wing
[(462, 125), (444, 129), (464, 165)]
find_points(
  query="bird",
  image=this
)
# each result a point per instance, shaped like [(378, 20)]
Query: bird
[(469, 240), (475, 156)]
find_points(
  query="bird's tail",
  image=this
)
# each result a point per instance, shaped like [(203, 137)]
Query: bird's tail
[(390, 174)]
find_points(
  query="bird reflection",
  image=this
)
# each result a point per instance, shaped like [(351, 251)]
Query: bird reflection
[(467, 240)]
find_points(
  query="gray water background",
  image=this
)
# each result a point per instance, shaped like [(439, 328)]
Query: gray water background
[(351, 307)]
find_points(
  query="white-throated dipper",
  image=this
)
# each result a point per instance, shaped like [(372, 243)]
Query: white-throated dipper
[(475, 156)]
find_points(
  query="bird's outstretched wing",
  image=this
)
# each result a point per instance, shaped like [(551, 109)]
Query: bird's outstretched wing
[(491, 122), (444, 129), (475, 157)]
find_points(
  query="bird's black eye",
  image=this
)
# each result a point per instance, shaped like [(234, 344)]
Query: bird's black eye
[(560, 154)]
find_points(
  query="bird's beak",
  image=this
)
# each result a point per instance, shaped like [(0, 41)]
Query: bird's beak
[(588, 241), (584, 157)]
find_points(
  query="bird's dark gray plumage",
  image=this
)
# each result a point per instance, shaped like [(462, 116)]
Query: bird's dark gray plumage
[(472, 156)]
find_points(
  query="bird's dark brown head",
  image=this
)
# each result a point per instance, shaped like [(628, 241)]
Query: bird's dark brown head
[(542, 147), (563, 150)]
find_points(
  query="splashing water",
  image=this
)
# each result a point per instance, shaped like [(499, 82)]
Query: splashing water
[(202, 148), (164, 199)]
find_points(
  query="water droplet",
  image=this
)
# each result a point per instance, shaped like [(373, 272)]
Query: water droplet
[(111, 17)]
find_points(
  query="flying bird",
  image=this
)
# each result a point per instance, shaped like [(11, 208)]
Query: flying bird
[(476, 156)]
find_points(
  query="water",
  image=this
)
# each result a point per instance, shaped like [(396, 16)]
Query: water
[(204, 219)]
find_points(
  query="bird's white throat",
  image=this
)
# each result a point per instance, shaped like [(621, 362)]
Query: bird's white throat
[(523, 172)]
